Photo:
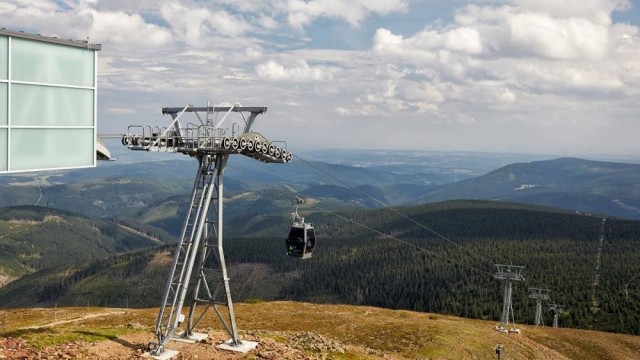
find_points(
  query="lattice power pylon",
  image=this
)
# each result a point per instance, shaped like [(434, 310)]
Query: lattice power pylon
[(509, 273), (555, 311), (202, 232), (539, 295)]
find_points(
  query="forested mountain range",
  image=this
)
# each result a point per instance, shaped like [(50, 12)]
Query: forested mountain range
[(114, 189), (140, 205), (598, 187), (416, 269), (34, 238)]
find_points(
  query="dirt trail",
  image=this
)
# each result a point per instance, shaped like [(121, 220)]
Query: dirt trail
[(75, 319), (157, 241)]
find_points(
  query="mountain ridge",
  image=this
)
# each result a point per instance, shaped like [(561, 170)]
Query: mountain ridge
[(577, 184)]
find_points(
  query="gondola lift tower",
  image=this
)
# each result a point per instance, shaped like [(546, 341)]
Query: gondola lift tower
[(555, 310), (211, 143), (509, 274), (539, 295)]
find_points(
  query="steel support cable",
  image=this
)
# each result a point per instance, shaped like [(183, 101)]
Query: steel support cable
[(362, 225), (395, 211)]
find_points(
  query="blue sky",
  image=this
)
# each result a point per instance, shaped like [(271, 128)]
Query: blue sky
[(525, 76)]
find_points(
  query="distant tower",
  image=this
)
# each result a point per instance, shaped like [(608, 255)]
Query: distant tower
[(555, 310), (539, 295), (510, 273)]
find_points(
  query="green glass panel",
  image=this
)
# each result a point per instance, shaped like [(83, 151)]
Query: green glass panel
[(33, 105), (3, 104), (36, 149), (3, 150), (35, 61), (4, 57)]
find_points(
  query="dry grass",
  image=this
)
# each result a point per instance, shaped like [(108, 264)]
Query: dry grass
[(365, 333)]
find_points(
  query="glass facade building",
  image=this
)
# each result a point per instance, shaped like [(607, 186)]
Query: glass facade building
[(48, 93)]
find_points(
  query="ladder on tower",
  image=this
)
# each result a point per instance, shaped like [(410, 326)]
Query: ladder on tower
[(170, 315), (202, 295)]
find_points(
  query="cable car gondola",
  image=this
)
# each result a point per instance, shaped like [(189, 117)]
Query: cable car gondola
[(302, 236)]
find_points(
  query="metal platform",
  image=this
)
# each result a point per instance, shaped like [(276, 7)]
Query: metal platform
[(166, 355), (206, 135), (191, 339), (244, 346)]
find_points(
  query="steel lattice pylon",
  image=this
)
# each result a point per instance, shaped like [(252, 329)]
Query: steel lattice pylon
[(539, 295), (202, 231), (555, 310), (509, 273)]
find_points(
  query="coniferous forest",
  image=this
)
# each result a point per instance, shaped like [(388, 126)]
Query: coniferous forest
[(444, 265), (419, 270)]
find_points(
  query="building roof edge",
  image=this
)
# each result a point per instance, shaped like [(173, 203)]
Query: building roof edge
[(48, 39)]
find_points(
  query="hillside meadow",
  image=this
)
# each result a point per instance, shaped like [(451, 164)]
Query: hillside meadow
[(293, 330)]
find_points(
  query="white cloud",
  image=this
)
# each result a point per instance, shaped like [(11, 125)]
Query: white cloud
[(462, 39), (625, 55), (123, 30), (530, 64), (195, 24), (342, 111), (293, 72), (499, 72), (541, 35), (302, 13), (596, 11), (538, 28), (521, 47)]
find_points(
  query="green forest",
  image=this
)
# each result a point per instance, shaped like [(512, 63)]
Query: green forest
[(446, 269), (34, 238), (455, 276)]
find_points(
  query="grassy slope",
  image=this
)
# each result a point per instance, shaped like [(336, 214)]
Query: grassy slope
[(365, 333)]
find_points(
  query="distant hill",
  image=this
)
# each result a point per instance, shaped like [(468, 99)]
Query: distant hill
[(34, 238), (582, 185), (112, 190), (423, 271), (348, 195), (104, 197), (596, 187)]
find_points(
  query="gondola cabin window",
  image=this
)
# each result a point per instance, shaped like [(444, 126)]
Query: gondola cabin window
[(301, 240)]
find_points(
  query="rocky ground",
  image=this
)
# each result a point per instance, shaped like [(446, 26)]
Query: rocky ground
[(297, 346), (296, 331)]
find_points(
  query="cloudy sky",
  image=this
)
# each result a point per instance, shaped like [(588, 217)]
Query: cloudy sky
[(526, 76)]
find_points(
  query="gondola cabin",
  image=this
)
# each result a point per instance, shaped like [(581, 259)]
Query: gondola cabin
[(301, 240)]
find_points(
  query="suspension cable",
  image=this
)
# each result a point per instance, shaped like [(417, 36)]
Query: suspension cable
[(362, 225), (386, 206)]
